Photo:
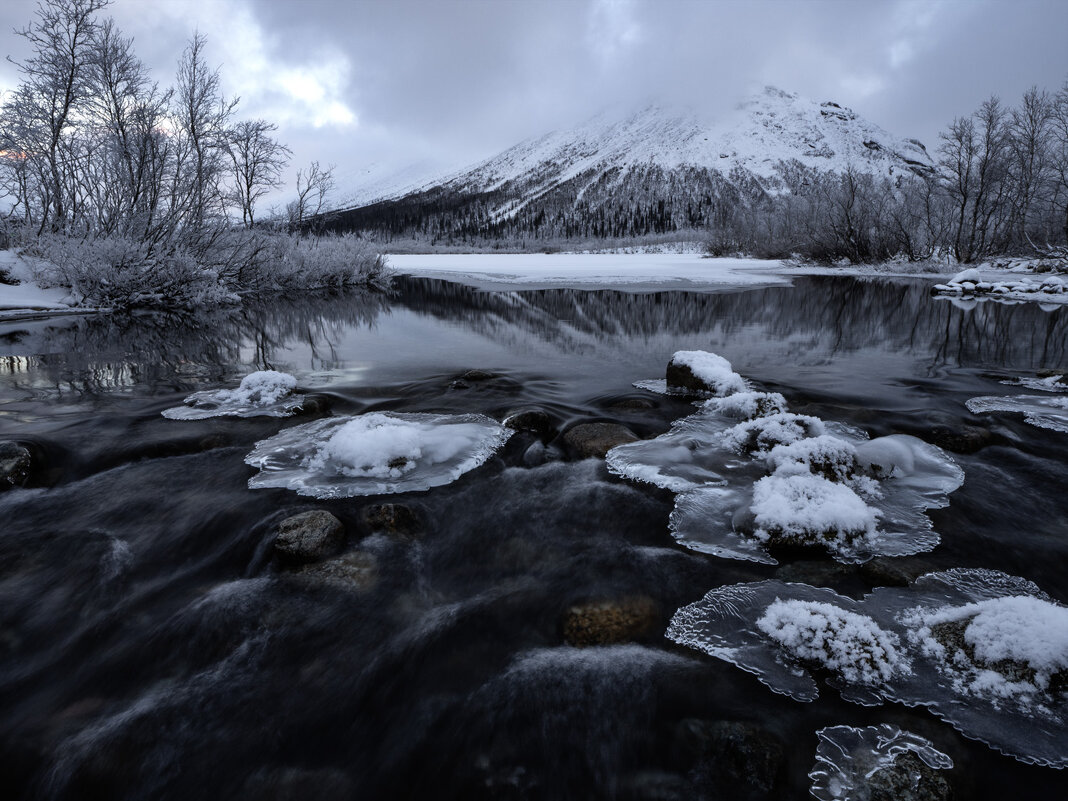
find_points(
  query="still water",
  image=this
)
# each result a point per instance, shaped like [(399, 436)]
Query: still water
[(152, 647)]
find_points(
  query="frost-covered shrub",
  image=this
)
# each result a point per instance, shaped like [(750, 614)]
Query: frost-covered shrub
[(119, 272), (852, 645), (1010, 646), (808, 509), (314, 262)]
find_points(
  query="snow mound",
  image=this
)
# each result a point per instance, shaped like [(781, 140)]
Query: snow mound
[(266, 393), (985, 651), (1039, 410), (375, 453), (849, 644), (829, 485), (711, 370), (971, 284), (747, 405), (848, 757), (809, 509)]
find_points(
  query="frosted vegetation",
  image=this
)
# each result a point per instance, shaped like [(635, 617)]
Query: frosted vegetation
[(266, 393), (751, 475), (134, 194), (375, 453), (985, 651), (847, 758)]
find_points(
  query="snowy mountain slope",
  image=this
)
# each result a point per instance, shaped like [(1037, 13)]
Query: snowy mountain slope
[(654, 158)]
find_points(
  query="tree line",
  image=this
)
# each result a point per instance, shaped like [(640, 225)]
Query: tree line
[(94, 150)]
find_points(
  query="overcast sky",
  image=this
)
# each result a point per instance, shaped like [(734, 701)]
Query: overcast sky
[(391, 82)]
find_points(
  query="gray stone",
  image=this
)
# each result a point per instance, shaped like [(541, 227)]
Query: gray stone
[(15, 463), (394, 519), (596, 439), (309, 536), (356, 571)]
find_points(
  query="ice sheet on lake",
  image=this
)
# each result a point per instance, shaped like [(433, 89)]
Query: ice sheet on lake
[(985, 651), (1044, 411), (847, 757), (266, 393), (375, 453)]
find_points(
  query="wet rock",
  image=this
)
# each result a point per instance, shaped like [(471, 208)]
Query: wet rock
[(315, 404), (908, 779), (818, 574), (309, 536), (356, 571), (680, 376), (653, 785), (611, 621), (536, 454), (640, 404), (731, 759), (459, 385), (15, 463), (535, 420), (477, 375), (889, 571), (393, 519), (962, 439), (297, 784), (594, 440)]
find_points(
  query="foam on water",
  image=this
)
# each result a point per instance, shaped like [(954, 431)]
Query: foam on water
[(375, 454)]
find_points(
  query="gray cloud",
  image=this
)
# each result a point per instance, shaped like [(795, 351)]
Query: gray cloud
[(400, 81)]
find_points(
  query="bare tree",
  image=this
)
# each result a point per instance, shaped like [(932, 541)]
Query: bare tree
[(38, 118), (1029, 137), (314, 186), (257, 163)]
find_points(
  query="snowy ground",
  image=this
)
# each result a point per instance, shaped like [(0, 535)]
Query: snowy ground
[(633, 271), (26, 299)]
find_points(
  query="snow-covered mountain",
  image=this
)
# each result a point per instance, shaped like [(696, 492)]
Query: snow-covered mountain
[(653, 171)]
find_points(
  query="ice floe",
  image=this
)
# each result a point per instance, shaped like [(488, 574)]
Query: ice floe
[(375, 453), (1044, 411), (751, 475), (849, 758), (266, 393), (985, 651)]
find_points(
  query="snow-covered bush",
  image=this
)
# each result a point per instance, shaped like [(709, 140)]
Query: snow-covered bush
[(119, 272), (326, 262), (852, 645)]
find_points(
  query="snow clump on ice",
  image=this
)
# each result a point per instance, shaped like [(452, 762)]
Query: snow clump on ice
[(852, 645), (750, 474), (971, 284), (375, 453), (985, 651), (266, 393), (809, 508)]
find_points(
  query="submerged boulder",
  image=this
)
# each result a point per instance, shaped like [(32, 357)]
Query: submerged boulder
[(740, 758), (594, 440), (394, 519), (909, 778), (309, 536), (531, 419), (15, 462), (610, 621), (356, 571)]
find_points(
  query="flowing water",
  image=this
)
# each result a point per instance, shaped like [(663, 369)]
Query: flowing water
[(151, 646)]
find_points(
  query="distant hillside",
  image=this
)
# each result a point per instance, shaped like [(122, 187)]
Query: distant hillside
[(657, 171)]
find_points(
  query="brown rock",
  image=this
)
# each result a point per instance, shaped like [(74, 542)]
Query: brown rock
[(611, 621), (309, 536), (588, 440), (395, 519)]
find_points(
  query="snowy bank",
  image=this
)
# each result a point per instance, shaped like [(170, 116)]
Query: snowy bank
[(987, 284), (26, 298), (635, 272)]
